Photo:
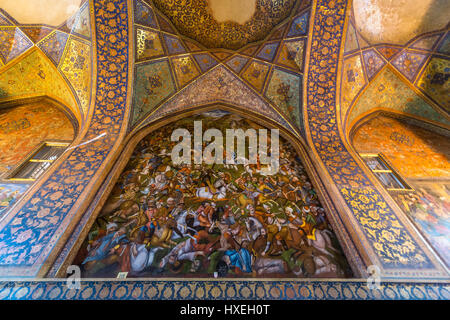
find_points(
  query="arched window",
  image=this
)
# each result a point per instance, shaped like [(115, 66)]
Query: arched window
[(32, 136), (412, 161)]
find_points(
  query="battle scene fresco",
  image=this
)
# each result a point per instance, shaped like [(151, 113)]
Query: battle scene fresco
[(429, 207), (210, 220)]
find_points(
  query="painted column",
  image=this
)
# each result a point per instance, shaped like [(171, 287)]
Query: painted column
[(383, 235), (32, 234)]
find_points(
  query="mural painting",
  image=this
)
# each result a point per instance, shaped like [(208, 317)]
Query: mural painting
[(422, 157), (210, 220), (24, 128), (429, 207)]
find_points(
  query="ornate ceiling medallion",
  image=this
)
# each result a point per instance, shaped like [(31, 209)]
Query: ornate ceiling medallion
[(216, 25)]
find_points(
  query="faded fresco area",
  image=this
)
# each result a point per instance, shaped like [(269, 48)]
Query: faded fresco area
[(9, 193), (24, 128), (429, 207), (422, 157), (165, 220)]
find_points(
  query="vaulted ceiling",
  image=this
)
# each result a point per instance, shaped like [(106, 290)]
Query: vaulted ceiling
[(396, 56)]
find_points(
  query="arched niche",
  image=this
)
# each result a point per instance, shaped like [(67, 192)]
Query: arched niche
[(417, 154), (103, 208), (33, 134)]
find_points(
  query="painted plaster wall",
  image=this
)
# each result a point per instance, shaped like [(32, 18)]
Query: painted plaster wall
[(238, 11), (422, 157), (31, 251), (50, 12), (413, 151), (387, 21), (23, 128)]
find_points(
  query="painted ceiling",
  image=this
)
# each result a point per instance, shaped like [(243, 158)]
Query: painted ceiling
[(397, 22), (197, 20), (48, 12), (411, 79), (43, 60), (185, 58), (173, 72)]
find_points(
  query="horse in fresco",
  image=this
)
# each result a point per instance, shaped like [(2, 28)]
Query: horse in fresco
[(206, 193)]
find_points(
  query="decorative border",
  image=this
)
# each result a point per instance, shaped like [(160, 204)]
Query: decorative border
[(242, 289)]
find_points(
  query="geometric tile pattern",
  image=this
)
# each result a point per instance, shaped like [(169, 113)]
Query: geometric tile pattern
[(409, 60), (205, 61), (164, 25), (53, 45), (388, 91), (292, 54), (154, 82), (268, 51), (444, 46), (373, 218), (150, 85), (221, 55), (362, 42), (218, 85), (435, 81), (373, 62), (185, 70), (36, 34), (351, 41), (192, 46), (299, 26), (250, 50), (285, 91), (237, 63), (388, 52), (352, 82), (426, 43), (173, 44), (76, 66), (4, 21), (188, 60), (255, 74), (13, 43), (144, 15), (35, 75), (148, 44), (82, 25), (277, 34), (45, 219), (409, 63)]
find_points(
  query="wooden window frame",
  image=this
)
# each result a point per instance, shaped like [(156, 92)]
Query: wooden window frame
[(390, 169), (29, 158)]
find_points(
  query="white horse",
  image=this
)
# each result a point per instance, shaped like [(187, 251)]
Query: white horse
[(181, 223), (254, 228), (140, 257), (205, 193), (322, 241)]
